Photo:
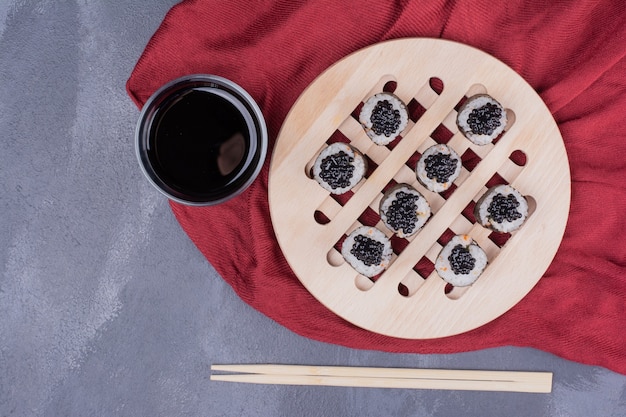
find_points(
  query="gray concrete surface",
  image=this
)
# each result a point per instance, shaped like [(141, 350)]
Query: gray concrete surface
[(107, 309)]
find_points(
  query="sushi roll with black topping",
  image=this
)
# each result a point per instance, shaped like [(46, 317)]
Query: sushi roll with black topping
[(404, 210), (368, 250), (339, 167), (502, 208), (383, 116), (481, 119), (461, 261), (438, 167)]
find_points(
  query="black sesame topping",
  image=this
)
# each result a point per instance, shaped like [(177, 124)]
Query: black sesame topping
[(461, 260), (402, 213), (504, 208), (485, 119), (440, 167), (385, 119), (367, 250), (337, 170)]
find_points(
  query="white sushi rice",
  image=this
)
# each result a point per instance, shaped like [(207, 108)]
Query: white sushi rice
[(437, 185), (471, 104), (365, 117), (356, 252), (420, 208), (357, 161), (444, 266), (504, 224)]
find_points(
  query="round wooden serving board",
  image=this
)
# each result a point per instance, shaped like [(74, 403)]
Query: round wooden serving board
[(409, 300)]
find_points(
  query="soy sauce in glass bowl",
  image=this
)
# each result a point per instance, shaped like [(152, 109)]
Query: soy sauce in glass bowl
[(201, 140)]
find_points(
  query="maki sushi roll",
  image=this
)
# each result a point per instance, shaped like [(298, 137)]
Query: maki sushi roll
[(438, 167), (481, 119), (383, 116), (502, 208), (404, 210), (461, 261), (339, 167), (368, 250)]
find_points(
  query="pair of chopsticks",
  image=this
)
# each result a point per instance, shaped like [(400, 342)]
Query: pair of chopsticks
[(346, 376)]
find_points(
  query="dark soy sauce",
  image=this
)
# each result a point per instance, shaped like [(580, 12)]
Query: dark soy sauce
[(199, 143)]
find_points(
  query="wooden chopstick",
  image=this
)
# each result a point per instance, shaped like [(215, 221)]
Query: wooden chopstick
[(346, 376)]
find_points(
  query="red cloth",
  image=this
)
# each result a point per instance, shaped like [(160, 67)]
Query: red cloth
[(571, 52)]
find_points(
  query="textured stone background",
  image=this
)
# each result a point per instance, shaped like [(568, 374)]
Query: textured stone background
[(107, 309)]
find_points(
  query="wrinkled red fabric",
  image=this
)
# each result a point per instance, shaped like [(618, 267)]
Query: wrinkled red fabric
[(571, 52)]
